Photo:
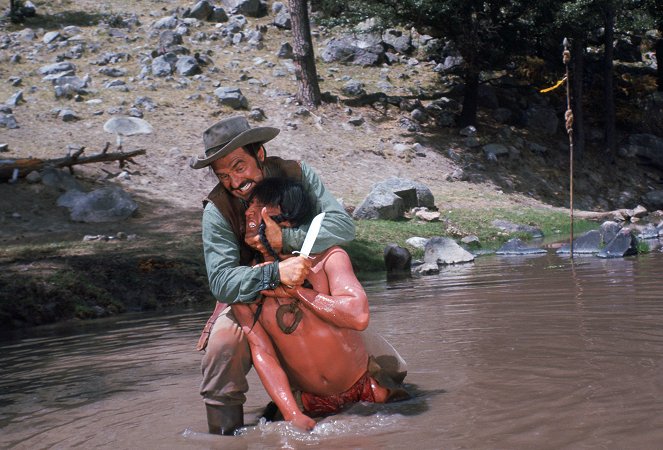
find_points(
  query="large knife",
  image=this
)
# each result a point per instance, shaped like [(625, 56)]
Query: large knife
[(311, 235)]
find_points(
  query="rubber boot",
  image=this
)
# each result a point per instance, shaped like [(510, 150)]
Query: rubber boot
[(224, 419)]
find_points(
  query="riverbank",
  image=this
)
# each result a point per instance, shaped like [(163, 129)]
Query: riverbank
[(56, 278)]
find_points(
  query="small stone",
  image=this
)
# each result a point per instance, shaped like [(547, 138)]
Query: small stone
[(16, 215), (121, 235), (4, 148), (33, 177)]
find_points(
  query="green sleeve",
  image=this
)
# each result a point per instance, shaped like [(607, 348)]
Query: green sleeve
[(230, 282), (337, 228)]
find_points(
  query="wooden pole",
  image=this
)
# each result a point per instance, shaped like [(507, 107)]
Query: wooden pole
[(566, 58)]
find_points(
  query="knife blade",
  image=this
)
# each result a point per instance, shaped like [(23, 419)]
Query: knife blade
[(311, 235)]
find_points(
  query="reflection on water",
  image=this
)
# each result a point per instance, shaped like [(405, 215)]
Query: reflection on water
[(518, 352)]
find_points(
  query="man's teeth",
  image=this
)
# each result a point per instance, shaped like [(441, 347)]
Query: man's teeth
[(245, 187)]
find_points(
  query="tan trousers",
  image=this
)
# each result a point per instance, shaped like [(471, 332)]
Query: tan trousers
[(227, 361)]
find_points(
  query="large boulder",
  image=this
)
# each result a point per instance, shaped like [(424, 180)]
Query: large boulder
[(251, 8), (353, 51), (380, 204), (587, 243), (624, 244), (403, 188), (201, 10), (444, 250)]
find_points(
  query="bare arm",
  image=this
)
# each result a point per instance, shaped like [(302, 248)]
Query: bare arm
[(269, 369), (346, 306)]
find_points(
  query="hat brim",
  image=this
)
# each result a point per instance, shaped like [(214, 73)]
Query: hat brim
[(250, 136)]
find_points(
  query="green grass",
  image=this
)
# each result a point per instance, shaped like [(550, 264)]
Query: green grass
[(366, 251)]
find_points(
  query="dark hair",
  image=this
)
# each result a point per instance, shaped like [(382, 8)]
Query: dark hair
[(296, 205)]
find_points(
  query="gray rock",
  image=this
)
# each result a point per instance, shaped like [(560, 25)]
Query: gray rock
[(15, 99), (468, 131), (285, 51), (403, 187), (113, 71), (609, 230), (649, 231), (511, 227), (58, 68), (4, 148), (51, 36), (356, 121), (444, 250), (33, 177), (516, 246), (399, 41), (282, 20), (351, 51), (109, 204), (277, 7), (169, 22), (187, 66), (59, 179), (162, 66), (127, 126), (201, 10), (586, 243), (427, 269), (624, 244), (251, 8), (417, 242), (495, 150), (218, 15), (380, 204), (232, 97), (68, 115), (353, 88)]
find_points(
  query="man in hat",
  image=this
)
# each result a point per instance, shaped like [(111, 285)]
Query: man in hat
[(236, 154)]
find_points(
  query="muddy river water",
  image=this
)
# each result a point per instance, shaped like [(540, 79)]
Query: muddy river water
[(503, 353)]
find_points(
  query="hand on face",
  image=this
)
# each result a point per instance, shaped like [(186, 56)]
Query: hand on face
[(255, 215)]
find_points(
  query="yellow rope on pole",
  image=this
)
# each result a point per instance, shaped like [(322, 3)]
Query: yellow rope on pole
[(552, 88)]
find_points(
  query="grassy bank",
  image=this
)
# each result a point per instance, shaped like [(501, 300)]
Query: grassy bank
[(366, 250), (55, 281)]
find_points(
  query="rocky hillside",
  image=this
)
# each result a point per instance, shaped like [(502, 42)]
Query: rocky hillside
[(393, 97)]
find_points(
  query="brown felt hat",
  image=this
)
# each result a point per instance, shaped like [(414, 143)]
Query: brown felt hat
[(227, 135)]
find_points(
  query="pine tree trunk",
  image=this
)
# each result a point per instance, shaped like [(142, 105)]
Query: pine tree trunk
[(578, 64), (609, 95), (308, 90), (468, 115)]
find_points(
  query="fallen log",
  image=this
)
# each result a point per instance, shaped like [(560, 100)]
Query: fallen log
[(18, 168)]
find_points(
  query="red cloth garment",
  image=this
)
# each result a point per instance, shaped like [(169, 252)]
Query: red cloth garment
[(362, 390)]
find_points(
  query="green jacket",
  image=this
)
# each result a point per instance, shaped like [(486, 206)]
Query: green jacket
[(231, 282)]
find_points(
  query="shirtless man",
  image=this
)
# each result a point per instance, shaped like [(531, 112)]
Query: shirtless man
[(309, 339)]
